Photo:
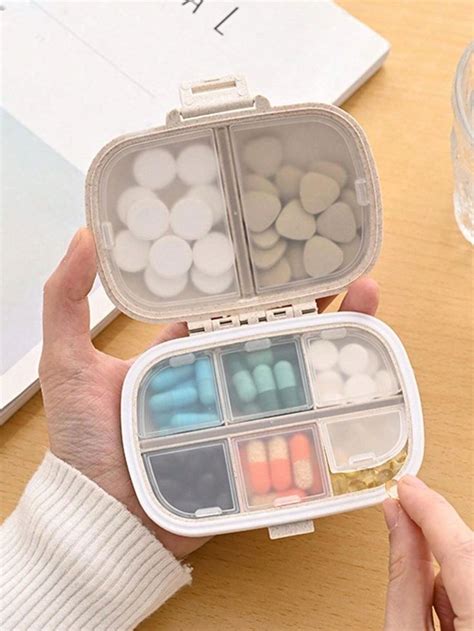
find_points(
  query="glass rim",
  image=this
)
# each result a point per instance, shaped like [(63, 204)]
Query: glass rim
[(459, 105)]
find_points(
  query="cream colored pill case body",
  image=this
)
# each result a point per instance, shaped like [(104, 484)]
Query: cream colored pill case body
[(235, 217)]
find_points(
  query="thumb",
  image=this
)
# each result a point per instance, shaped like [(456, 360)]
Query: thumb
[(66, 315)]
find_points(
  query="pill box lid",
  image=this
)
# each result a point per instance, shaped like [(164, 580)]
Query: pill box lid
[(324, 131)]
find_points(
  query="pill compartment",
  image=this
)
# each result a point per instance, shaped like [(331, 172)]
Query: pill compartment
[(265, 377), (195, 480), (305, 207), (350, 365), (179, 394), (280, 468)]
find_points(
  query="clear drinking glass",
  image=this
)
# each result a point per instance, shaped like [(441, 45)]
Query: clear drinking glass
[(462, 143)]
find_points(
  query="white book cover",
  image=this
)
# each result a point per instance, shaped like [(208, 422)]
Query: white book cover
[(77, 74)]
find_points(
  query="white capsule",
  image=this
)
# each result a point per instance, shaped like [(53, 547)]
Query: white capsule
[(171, 256), (294, 254), (260, 209), (359, 386), (266, 239), (130, 196), (212, 284), (264, 259), (263, 155), (385, 382), (287, 179), (353, 359), (164, 287), (329, 385), (197, 164), (130, 253), (148, 219), (295, 223), (253, 182), (321, 256), (324, 354), (213, 254), (278, 275), (350, 251), (337, 223), (331, 169), (212, 196), (154, 168), (191, 218), (318, 192)]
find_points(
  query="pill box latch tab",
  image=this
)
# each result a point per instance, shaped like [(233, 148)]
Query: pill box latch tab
[(290, 530), (214, 95)]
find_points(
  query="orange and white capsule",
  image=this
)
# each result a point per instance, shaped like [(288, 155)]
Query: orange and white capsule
[(280, 465), (301, 460), (258, 467)]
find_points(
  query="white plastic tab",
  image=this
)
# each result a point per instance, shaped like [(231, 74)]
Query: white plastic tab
[(291, 530), (214, 95)]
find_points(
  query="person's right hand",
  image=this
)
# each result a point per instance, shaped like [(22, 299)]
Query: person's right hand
[(423, 524)]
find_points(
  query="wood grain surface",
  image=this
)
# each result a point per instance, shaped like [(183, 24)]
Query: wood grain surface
[(335, 579)]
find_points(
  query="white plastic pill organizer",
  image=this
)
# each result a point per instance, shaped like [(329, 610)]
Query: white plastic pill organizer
[(235, 216)]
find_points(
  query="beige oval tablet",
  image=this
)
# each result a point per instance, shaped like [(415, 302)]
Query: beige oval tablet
[(263, 155), (321, 256), (294, 254), (279, 274), (264, 259), (295, 223), (337, 223), (318, 192), (331, 169), (253, 182), (287, 179), (266, 239), (261, 209)]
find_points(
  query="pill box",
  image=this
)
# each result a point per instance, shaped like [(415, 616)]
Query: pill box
[(235, 216)]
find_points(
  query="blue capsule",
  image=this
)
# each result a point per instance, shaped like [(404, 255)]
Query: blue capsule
[(172, 375), (191, 419), (205, 381), (180, 397)]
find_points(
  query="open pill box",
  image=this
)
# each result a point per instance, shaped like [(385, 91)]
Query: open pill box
[(235, 217)]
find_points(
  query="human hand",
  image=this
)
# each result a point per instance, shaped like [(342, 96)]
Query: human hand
[(423, 524), (82, 386)]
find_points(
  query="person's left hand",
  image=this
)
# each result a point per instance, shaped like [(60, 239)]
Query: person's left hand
[(82, 386)]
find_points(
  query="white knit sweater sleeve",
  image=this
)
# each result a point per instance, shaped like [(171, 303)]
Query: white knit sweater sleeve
[(73, 557)]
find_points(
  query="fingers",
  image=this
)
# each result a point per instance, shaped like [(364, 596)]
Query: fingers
[(65, 306), (449, 538), (411, 575), (362, 297), (442, 606)]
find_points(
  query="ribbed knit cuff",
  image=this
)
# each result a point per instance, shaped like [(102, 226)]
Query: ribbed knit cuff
[(75, 558)]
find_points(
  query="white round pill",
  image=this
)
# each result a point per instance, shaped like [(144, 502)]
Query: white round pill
[(266, 239), (154, 168), (212, 284), (318, 192), (294, 254), (260, 209), (171, 256), (191, 218), (386, 383), (130, 253), (324, 354), (253, 182), (331, 169), (359, 386), (337, 223), (263, 155), (321, 256), (148, 219), (287, 179), (278, 275), (264, 259), (350, 251), (130, 196), (295, 223), (329, 385), (212, 196), (213, 254), (164, 287), (353, 359), (373, 362), (197, 164)]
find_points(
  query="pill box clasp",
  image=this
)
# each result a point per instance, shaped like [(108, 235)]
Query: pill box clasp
[(291, 530)]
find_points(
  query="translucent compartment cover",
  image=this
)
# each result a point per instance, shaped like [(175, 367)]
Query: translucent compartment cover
[(234, 213), (364, 439)]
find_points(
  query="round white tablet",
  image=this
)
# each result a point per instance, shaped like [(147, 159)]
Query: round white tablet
[(253, 182), (263, 155), (386, 383), (212, 196), (321, 256), (373, 362), (164, 287), (212, 284), (171, 256), (278, 275), (130, 196), (130, 253), (349, 197), (148, 219), (213, 254), (294, 254), (264, 259), (266, 239), (288, 179), (324, 354), (154, 168), (353, 359), (337, 223), (332, 169), (295, 223), (359, 386), (350, 250), (260, 209), (318, 192), (197, 164), (191, 218), (329, 385)]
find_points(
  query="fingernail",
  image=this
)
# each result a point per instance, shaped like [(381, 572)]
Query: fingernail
[(391, 513), (411, 480)]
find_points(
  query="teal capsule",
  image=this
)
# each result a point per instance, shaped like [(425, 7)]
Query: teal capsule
[(168, 377), (190, 419), (180, 397), (254, 358), (266, 387), (285, 378), (242, 381), (205, 381)]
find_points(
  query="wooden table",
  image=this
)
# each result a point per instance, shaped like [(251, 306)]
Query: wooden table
[(335, 579)]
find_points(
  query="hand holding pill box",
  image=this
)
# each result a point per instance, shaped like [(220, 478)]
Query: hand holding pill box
[(235, 216)]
